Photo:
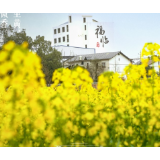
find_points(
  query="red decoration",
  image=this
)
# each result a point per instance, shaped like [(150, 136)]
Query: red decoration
[(98, 45)]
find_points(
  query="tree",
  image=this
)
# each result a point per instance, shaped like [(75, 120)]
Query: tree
[(50, 58), (95, 69), (51, 62), (5, 31), (18, 37)]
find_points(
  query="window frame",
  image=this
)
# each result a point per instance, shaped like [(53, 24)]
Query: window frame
[(63, 29), (55, 40), (70, 19), (84, 19), (67, 37), (59, 40), (85, 37), (59, 30), (103, 64), (67, 28), (64, 39), (55, 31), (87, 65)]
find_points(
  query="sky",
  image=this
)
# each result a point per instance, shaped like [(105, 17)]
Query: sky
[(131, 30)]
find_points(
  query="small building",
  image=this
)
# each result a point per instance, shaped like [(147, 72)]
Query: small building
[(99, 62)]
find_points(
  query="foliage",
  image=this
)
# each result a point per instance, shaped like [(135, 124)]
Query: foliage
[(51, 58), (71, 112)]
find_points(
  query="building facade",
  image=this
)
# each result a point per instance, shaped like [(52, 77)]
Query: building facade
[(84, 32), (100, 62)]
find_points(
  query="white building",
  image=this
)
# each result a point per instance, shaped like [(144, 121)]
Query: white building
[(82, 31)]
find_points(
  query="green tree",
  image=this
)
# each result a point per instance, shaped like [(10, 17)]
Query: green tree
[(18, 37), (51, 62), (50, 58)]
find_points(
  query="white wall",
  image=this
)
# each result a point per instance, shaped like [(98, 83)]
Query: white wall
[(73, 51), (118, 65), (92, 37), (155, 65)]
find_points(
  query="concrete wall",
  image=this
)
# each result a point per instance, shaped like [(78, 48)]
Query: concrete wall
[(118, 63), (73, 51), (155, 65)]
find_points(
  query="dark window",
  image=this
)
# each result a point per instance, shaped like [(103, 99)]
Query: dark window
[(87, 65), (58, 30), (67, 28), (67, 38), (84, 20), (85, 46), (82, 63), (63, 39), (70, 19), (63, 29), (97, 65), (55, 31), (67, 44), (55, 40), (85, 37), (103, 65), (84, 27), (59, 40)]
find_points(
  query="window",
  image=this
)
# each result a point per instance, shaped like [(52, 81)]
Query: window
[(82, 63), (85, 37), (67, 38), (59, 40), (103, 65), (58, 30), (119, 59), (54, 31), (85, 46), (87, 65), (96, 65), (67, 44), (84, 20), (84, 27), (67, 28), (63, 39), (70, 19), (63, 29), (55, 40)]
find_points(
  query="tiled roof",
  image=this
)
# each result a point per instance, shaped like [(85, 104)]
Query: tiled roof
[(149, 62), (106, 55)]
